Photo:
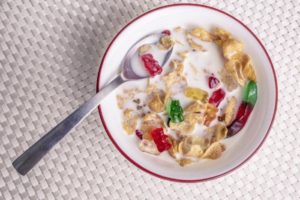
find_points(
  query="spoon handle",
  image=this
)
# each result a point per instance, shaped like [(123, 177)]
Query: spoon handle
[(35, 153)]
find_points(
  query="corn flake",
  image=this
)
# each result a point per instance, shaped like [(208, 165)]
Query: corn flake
[(194, 45), (178, 29), (120, 101), (195, 107), (248, 71), (192, 147), (156, 101), (230, 110), (228, 79), (166, 42), (144, 49), (218, 132), (130, 119), (201, 34), (148, 147), (150, 121), (174, 81), (127, 95), (232, 47), (177, 66), (183, 54), (220, 36), (184, 161), (210, 113), (174, 148), (185, 127), (241, 67), (214, 151)]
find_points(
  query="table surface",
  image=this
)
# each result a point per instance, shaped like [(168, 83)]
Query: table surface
[(50, 53)]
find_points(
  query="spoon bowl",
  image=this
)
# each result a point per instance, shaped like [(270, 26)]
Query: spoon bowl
[(128, 72)]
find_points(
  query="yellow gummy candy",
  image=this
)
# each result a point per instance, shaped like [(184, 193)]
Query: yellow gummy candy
[(196, 94)]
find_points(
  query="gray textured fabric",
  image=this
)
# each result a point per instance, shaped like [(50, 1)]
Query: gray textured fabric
[(50, 53)]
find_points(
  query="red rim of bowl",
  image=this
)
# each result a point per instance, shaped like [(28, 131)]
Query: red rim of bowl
[(151, 172)]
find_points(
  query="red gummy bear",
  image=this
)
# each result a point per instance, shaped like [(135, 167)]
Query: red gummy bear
[(239, 122), (216, 97), (151, 65), (244, 111), (160, 139), (139, 134), (166, 32), (213, 82)]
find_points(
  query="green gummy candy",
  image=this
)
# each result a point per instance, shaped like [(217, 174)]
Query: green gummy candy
[(250, 93)]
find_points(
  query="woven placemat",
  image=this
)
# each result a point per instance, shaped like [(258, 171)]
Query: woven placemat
[(50, 53)]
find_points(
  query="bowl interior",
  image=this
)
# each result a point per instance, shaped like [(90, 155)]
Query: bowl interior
[(240, 147)]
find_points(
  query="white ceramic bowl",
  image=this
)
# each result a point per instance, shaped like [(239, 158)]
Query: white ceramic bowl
[(243, 145)]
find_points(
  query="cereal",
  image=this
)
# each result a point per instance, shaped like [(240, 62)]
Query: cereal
[(210, 113), (241, 67), (166, 42), (156, 101), (178, 29), (194, 45), (232, 47), (220, 36), (214, 151), (184, 161), (248, 71), (193, 146), (230, 110), (196, 110), (148, 147), (177, 66), (168, 118), (129, 121), (127, 95), (150, 87), (174, 149), (228, 79), (201, 34), (120, 101), (179, 42), (195, 107), (186, 127), (150, 121), (235, 67), (175, 81), (144, 49), (217, 132), (183, 54)]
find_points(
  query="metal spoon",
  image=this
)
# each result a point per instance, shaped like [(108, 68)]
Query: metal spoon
[(34, 154)]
